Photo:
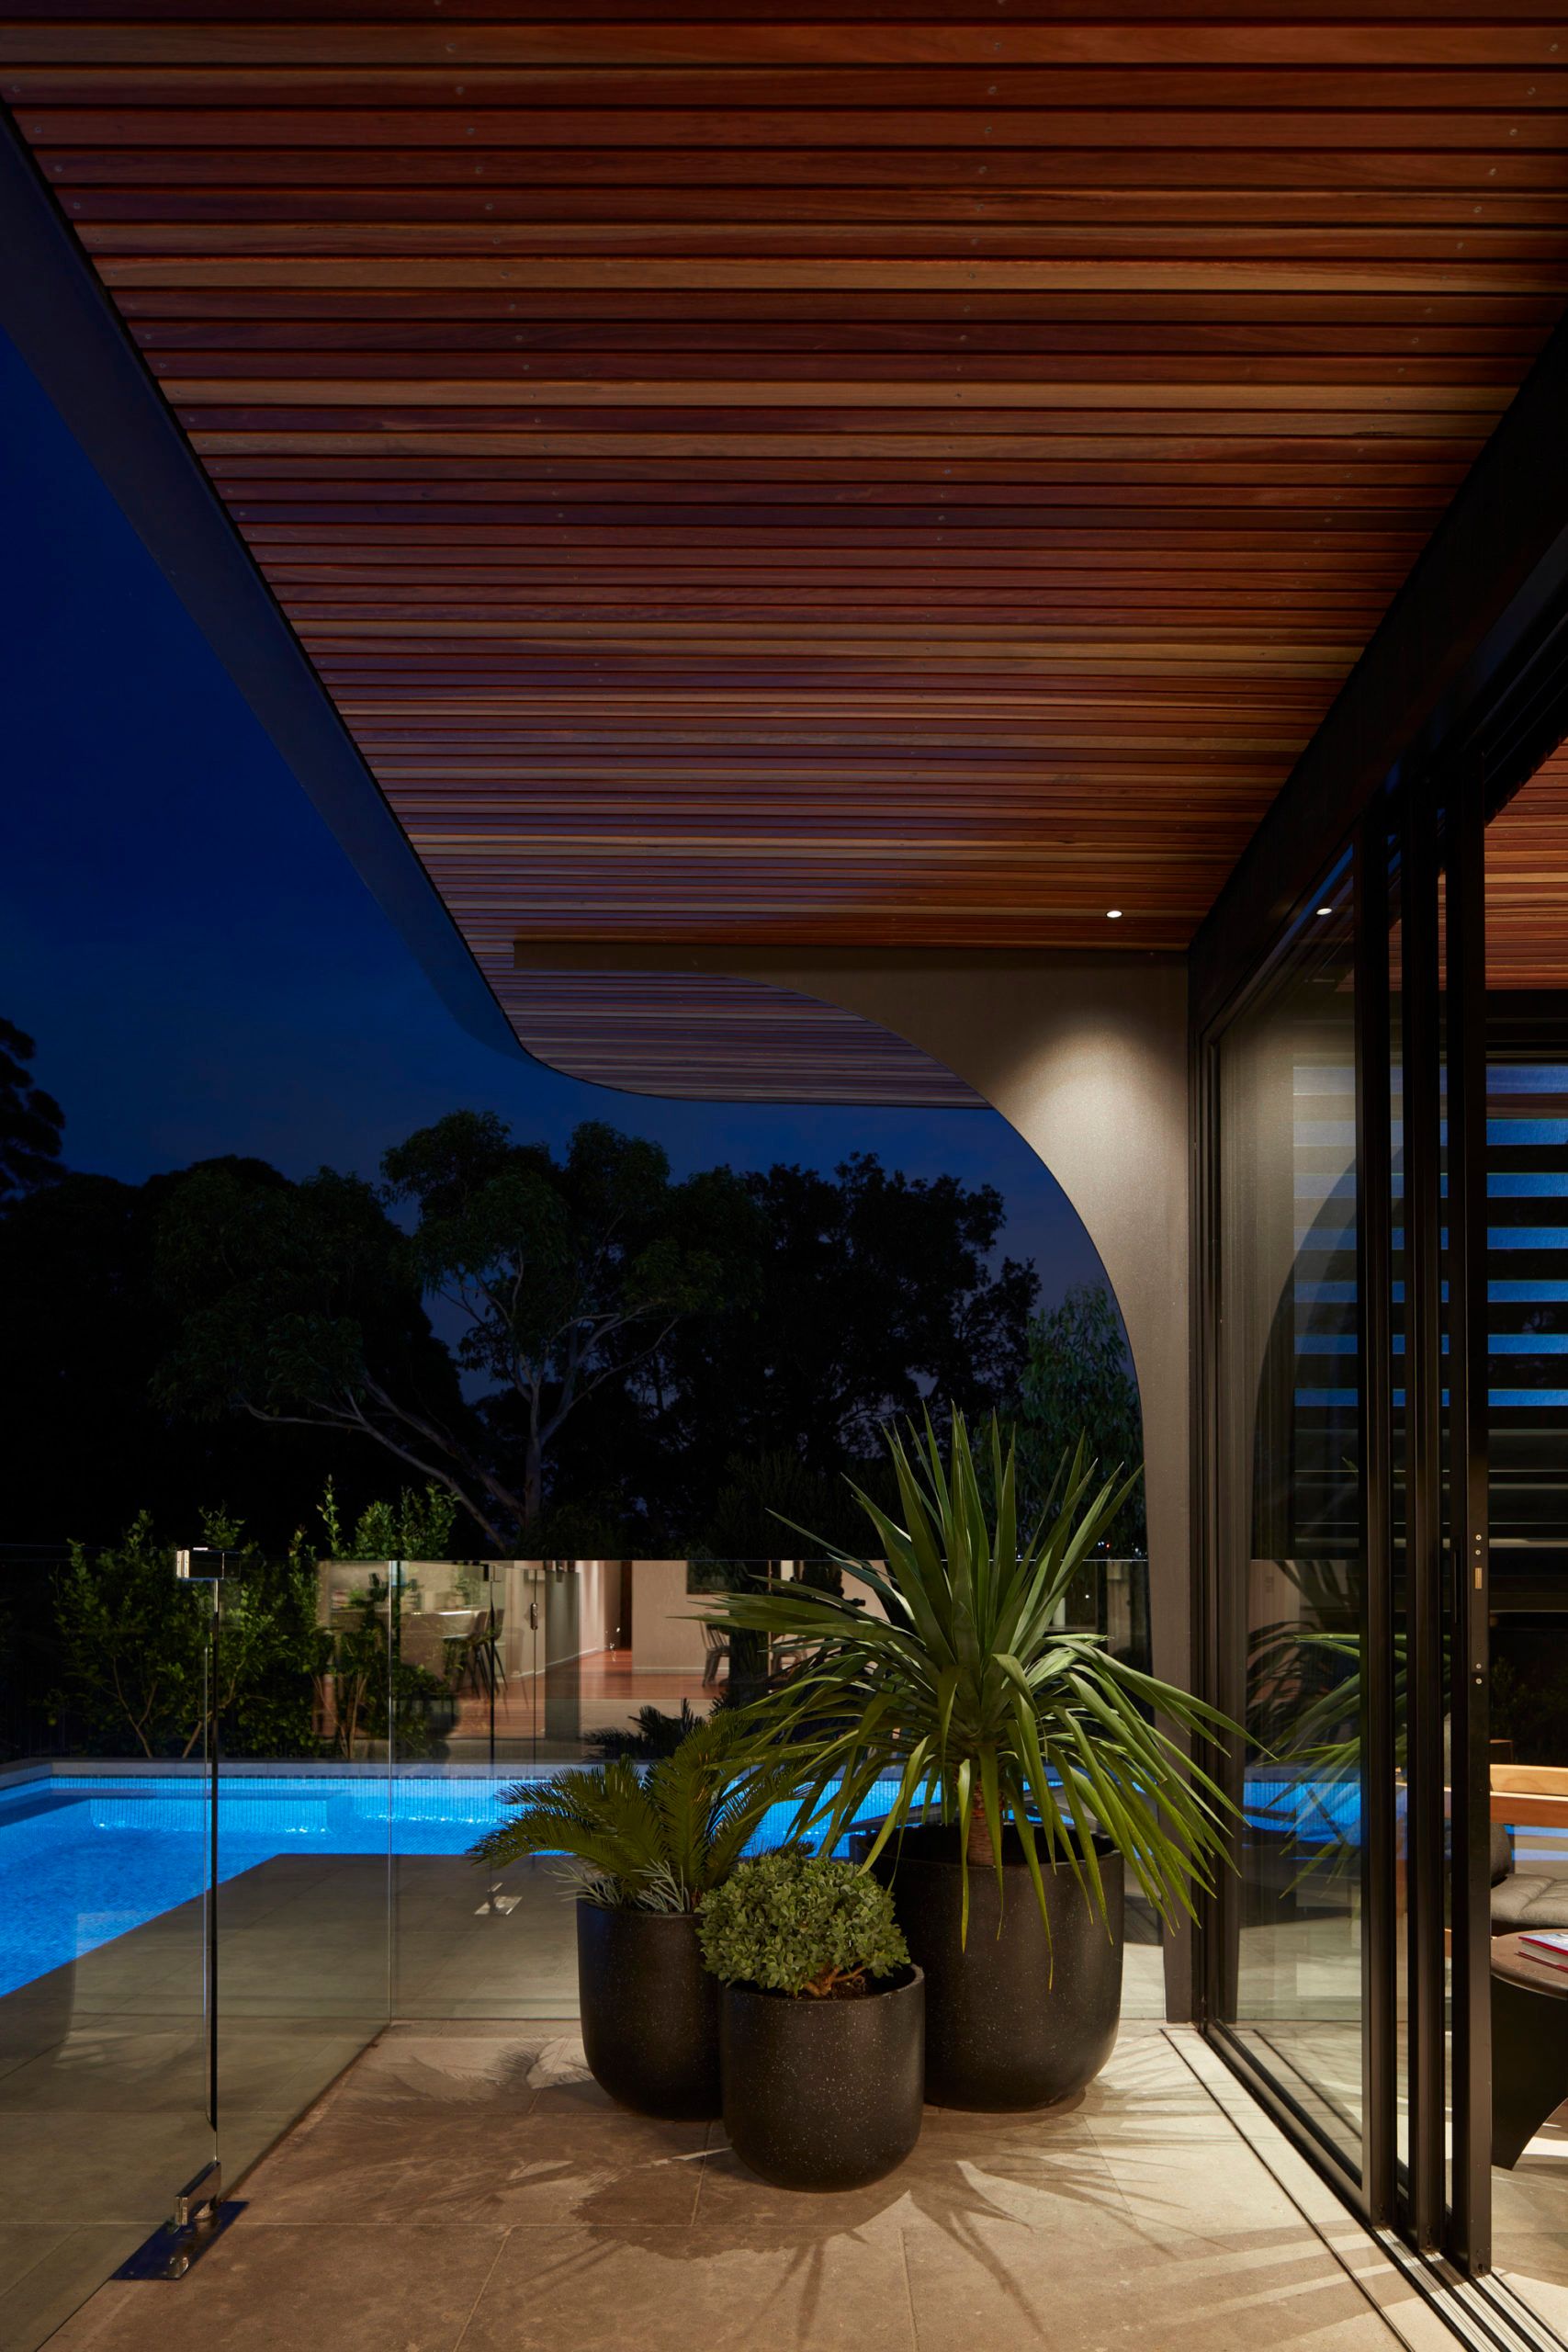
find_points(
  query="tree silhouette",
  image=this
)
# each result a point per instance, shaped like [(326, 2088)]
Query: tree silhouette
[(31, 1122)]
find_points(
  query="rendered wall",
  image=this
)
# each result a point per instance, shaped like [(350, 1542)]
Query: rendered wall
[(666, 1638)]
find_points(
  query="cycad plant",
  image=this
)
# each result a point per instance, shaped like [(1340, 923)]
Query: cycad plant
[(646, 1841), (970, 1691)]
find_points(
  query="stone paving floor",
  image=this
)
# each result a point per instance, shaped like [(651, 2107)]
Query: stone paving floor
[(467, 2185)]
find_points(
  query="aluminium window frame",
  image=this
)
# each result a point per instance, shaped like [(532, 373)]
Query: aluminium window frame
[(1440, 2204)]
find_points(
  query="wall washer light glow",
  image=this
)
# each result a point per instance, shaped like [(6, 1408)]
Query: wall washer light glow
[(1112, 914)]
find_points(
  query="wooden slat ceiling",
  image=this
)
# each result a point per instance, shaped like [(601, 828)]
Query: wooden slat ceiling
[(1526, 883), (912, 475)]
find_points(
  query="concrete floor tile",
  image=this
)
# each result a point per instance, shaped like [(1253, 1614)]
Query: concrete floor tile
[(477, 2029), (1535, 2269), (444, 2072), (24, 2244), (107, 2166), (730, 2199), (610, 2290), (382, 2158), (265, 2289), (992, 2167), (1004, 2280), (1531, 2198), (1135, 2217), (65, 2268), (1402, 2304), (151, 2070), (1208, 2190)]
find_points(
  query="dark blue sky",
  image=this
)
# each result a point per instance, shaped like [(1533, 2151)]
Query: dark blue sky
[(202, 967)]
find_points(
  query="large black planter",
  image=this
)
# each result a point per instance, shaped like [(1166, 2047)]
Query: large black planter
[(822, 2095), (1014, 2019), (649, 2010)]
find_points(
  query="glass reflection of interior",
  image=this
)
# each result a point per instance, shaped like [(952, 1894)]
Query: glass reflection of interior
[(1289, 1501), (1527, 1136), (551, 1661)]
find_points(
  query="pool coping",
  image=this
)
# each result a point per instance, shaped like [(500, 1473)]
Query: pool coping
[(89, 1768)]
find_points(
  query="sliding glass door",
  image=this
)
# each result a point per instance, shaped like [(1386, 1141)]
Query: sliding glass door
[(1344, 1488), (1289, 1339)]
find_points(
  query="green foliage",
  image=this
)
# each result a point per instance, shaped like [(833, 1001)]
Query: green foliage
[(655, 1733), (416, 1527), (659, 1840), (269, 1680), (797, 1923), (1303, 1679), (134, 1644), (1078, 1381), (970, 1691), (332, 1521)]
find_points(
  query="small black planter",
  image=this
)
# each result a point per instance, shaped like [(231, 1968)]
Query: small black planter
[(1014, 2019), (822, 2095), (649, 2010)]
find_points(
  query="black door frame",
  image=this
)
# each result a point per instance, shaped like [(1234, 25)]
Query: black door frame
[(1418, 860)]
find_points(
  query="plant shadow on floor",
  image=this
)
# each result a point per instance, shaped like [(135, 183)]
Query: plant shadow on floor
[(972, 2179)]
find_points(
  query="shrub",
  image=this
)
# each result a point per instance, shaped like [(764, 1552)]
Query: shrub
[(133, 1645), (416, 1527), (800, 1924), (654, 1840), (656, 1734), (967, 1686)]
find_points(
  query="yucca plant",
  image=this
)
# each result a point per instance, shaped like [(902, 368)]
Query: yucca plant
[(651, 1840), (987, 1710)]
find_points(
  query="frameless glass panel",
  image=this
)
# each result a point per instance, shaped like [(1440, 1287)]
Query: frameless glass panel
[(1394, 1375), (504, 1671), (105, 1891), (484, 1673), (1290, 1519), (303, 1962)]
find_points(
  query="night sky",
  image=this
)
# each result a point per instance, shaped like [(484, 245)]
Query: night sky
[(200, 964)]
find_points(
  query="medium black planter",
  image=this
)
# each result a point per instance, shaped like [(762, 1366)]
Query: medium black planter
[(823, 2095), (1014, 2019), (649, 2010)]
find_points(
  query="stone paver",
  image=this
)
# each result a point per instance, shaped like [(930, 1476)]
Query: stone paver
[(469, 2190)]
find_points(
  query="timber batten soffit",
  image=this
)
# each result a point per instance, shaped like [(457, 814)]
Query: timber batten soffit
[(899, 479)]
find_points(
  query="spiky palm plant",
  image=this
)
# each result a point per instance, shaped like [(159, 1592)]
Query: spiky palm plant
[(653, 1840), (969, 1690)]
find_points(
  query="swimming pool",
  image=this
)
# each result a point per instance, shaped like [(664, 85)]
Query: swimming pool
[(85, 1857)]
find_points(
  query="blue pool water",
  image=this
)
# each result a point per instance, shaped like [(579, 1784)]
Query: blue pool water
[(85, 1858)]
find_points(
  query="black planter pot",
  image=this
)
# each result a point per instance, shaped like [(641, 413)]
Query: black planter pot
[(649, 2010), (822, 2095), (1014, 2019)]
